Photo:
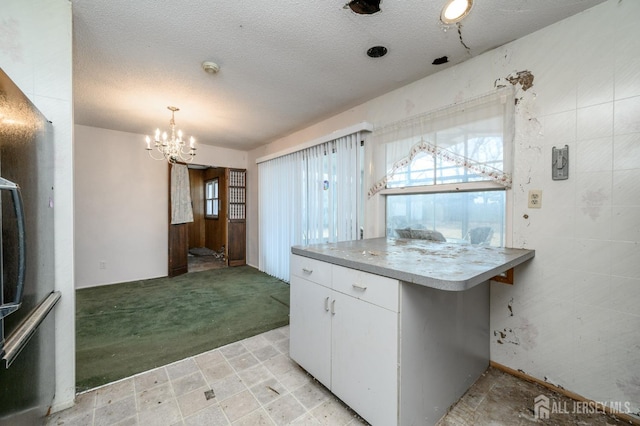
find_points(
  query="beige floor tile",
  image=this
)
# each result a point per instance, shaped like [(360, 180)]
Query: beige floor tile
[(280, 365), (113, 392), (256, 418), (233, 350), (267, 391), (182, 368), (243, 361), (166, 414), (285, 409), (332, 412), (194, 401), (210, 416), (295, 378), (209, 358), (112, 413), (255, 375), (216, 372), (151, 398), (254, 343), (188, 383), (266, 352), (311, 395), (239, 405), (150, 379), (228, 386)]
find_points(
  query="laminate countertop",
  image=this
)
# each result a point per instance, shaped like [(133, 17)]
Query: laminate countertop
[(440, 265)]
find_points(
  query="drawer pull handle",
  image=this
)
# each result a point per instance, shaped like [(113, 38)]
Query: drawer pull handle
[(326, 304), (359, 286), (307, 271), (333, 307)]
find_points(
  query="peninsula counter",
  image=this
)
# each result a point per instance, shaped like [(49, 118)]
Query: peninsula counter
[(396, 328)]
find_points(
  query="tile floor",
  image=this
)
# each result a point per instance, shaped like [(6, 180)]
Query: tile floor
[(253, 382)]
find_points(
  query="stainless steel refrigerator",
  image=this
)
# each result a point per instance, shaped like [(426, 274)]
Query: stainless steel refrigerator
[(27, 329)]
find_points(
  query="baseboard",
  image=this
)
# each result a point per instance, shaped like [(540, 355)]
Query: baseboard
[(521, 375)]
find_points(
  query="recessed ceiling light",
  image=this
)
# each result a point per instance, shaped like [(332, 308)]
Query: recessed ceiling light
[(377, 51), (455, 11)]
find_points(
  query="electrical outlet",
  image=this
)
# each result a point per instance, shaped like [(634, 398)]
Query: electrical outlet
[(535, 199)]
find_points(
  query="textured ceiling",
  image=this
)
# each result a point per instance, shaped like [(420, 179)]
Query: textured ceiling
[(283, 65)]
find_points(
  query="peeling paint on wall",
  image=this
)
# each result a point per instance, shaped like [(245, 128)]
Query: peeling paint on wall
[(524, 78), (506, 336)]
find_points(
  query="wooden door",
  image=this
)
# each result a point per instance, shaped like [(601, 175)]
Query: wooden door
[(178, 242), (236, 217), (178, 249)]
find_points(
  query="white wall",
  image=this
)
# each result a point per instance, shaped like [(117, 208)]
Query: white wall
[(121, 205), (575, 309), (121, 209), (35, 51)]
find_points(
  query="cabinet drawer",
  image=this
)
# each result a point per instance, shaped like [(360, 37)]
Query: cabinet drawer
[(376, 289), (311, 269)]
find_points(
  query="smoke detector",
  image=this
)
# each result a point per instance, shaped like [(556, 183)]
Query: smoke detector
[(210, 67)]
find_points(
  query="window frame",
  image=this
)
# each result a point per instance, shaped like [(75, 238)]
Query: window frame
[(214, 199)]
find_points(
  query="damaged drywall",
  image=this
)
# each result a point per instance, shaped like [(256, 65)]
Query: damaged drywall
[(524, 78)]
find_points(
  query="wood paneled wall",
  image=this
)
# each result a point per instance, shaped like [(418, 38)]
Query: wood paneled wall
[(216, 229), (197, 228)]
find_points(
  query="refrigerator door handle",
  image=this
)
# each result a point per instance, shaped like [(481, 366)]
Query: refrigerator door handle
[(21, 336), (8, 308)]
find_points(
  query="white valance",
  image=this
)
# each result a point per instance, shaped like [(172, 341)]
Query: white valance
[(466, 142)]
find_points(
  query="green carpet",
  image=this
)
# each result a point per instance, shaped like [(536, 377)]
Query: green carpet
[(128, 328)]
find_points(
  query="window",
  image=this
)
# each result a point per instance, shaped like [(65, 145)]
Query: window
[(447, 171), (212, 199), (476, 217)]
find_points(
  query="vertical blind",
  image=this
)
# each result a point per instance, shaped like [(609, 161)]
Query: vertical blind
[(310, 196)]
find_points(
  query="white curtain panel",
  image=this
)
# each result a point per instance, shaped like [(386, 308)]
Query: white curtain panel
[(308, 197), (475, 135)]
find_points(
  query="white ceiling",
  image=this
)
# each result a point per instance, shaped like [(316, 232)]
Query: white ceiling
[(283, 65)]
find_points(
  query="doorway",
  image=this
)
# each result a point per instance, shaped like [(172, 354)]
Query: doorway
[(206, 235), (216, 237)]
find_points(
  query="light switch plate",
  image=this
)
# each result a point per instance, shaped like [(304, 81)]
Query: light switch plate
[(535, 199), (560, 163)]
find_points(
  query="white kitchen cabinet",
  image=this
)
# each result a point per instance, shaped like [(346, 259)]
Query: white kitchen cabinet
[(311, 328), (343, 339), (408, 322)]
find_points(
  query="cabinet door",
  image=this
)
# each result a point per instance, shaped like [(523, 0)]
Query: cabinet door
[(365, 359), (310, 328)]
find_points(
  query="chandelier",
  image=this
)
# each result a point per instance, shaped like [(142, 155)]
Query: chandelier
[(172, 147)]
